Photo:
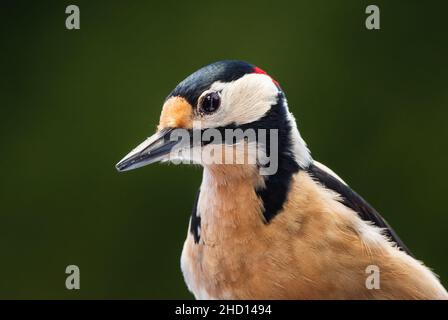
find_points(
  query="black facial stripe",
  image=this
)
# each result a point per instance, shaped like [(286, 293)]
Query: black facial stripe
[(195, 84), (277, 185)]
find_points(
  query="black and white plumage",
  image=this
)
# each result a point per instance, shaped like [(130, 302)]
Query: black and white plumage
[(301, 232)]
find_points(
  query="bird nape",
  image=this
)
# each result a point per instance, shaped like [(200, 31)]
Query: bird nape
[(270, 222)]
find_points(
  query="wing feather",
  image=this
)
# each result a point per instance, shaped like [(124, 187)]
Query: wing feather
[(354, 201)]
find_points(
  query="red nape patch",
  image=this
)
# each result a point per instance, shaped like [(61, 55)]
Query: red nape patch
[(261, 71)]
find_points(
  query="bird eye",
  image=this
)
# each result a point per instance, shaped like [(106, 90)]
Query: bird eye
[(210, 103)]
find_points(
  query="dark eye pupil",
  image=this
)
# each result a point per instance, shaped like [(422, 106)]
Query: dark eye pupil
[(211, 102)]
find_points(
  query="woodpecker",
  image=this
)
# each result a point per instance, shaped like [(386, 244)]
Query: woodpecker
[(299, 232)]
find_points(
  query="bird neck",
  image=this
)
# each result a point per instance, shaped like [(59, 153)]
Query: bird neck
[(270, 190), (228, 207), (238, 196), (236, 201)]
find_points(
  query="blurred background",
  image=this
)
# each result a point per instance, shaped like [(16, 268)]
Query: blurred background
[(372, 105)]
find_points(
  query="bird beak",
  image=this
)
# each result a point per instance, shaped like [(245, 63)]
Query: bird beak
[(153, 149)]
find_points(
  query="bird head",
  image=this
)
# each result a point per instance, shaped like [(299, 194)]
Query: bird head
[(218, 108)]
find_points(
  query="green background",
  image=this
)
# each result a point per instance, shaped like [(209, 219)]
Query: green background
[(372, 105)]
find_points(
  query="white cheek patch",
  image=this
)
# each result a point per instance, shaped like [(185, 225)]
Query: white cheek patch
[(243, 101)]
